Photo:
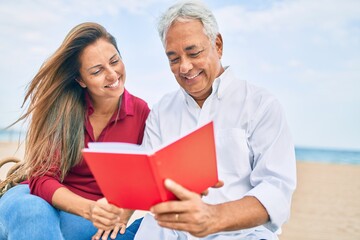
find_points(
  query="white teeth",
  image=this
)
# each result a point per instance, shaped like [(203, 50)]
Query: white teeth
[(193, 76), (114, 85)]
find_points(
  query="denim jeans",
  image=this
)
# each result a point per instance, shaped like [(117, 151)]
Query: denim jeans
[(26, 216)]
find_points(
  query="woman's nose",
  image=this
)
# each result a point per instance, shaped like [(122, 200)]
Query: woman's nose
[(111, 74)]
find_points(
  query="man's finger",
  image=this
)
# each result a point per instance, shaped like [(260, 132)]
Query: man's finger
[(179, 191), (219, 184)]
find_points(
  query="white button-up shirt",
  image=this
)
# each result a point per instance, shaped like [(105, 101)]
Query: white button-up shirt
[(255, 152)]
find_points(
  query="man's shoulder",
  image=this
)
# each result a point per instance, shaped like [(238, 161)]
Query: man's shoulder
[(240, 87), (258, 91)]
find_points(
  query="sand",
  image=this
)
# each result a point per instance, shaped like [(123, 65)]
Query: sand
[(326, 204), (10, 149)]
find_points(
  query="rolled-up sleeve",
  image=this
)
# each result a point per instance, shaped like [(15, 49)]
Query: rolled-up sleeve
[(45, 186), (274, 168)]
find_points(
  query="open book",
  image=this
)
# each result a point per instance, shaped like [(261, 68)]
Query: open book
[(133, 178)]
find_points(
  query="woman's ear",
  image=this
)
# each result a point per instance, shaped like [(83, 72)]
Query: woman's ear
[(80, 82)]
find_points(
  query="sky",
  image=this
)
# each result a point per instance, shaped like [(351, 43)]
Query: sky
[(305, 52)]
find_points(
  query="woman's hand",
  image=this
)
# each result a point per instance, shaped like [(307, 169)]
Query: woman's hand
[(102, 234), (109, 219)]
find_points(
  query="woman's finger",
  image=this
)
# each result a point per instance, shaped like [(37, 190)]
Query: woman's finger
[(97, 235), (115, 232), (123, 228), (105, 235), (104, 222)]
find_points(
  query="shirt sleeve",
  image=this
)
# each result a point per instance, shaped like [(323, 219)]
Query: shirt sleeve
[(45, 186), (274, 166)]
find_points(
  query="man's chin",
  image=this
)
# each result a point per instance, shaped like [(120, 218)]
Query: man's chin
[(198, 95)]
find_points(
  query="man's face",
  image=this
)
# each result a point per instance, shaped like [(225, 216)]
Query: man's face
[(194, 60)]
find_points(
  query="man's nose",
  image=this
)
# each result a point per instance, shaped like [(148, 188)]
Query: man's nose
[(185, 66)]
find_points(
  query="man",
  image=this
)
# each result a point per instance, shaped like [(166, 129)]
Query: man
[(255, 153)]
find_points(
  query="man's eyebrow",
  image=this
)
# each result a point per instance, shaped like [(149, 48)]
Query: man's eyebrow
[(189, 48), (170, 53), (192, 47)]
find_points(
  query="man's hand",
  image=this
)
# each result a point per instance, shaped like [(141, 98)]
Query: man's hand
[(188, 214), (219, 184)]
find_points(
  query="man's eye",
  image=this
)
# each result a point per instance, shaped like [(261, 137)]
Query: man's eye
[(174, 60), (196, 54)]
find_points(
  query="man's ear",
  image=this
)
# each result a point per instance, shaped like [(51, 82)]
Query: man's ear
[(80, 82), (219, 45)]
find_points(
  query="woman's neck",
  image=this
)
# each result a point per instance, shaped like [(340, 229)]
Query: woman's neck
[(106, 108)]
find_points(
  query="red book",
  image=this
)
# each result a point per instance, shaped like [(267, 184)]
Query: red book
[(132, 178)]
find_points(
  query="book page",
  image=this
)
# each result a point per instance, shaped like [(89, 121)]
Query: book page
[(116, 147), (130, 148)]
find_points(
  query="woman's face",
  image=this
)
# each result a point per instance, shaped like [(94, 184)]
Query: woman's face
[(102, 71)]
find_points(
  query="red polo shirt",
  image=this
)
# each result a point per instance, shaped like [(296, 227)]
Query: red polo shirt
[(127, 125)]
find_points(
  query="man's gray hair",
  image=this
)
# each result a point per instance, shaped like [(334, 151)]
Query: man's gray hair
[(188, 10)]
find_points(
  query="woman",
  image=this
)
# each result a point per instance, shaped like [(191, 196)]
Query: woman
[(77, 97)]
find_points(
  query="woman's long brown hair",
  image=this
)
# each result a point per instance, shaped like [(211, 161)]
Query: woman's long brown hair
[(56, 106)]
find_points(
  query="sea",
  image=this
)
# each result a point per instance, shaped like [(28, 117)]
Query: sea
[(308, 154), (328, 155), (11, 135)]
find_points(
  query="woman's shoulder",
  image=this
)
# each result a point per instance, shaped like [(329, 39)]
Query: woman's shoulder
[(136, 101)]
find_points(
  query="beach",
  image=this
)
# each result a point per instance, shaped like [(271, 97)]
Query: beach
[(326, 203)]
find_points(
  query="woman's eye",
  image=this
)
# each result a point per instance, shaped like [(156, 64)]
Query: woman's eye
[(96, 72)]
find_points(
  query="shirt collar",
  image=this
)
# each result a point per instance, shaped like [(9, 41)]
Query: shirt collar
[(127, 105), (223, 81), (218, 87)]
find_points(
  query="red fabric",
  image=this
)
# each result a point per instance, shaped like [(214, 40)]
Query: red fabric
[(129, 128)]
